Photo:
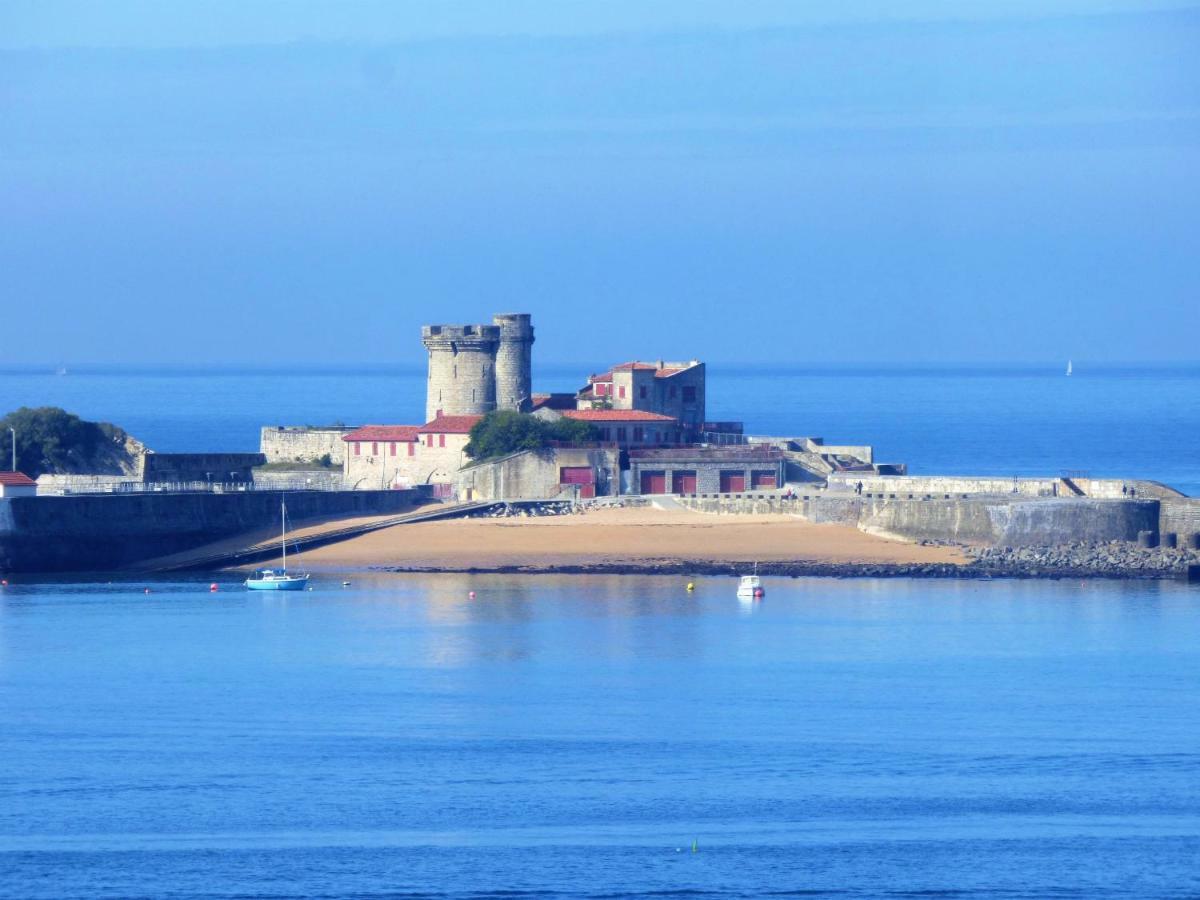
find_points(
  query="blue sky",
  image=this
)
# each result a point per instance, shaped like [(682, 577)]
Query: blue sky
[(779, 182)]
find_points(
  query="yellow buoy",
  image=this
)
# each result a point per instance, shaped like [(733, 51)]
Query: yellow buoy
[(691, 586)]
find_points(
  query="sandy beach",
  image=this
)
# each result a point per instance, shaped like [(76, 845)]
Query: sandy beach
[(616, 538)]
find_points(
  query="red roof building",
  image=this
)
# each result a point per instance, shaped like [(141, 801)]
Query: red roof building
[(616, 415), (17, 484), (406, 433), (449, 425)]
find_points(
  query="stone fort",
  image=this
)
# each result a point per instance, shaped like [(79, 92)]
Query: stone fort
[(474, 369)]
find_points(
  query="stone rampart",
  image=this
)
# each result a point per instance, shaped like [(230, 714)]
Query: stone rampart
[(102, 532), (301, 443), (1180, 516), (1006, 522)]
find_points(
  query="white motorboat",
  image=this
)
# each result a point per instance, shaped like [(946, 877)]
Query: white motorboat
[(750, 587)]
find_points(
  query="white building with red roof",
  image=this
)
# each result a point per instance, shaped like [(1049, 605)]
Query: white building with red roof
[(400, 456), (16, 484)]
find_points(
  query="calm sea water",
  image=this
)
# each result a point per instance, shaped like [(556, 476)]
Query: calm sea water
[(575, 736), (1124, 422)]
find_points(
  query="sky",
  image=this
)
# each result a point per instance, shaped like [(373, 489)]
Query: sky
[(773, 182)]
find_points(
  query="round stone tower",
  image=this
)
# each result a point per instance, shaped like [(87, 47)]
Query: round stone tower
[(514, 362), (462, 369)]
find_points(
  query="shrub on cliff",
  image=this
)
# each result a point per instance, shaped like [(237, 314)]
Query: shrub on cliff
[(53, 440), (504, 431)]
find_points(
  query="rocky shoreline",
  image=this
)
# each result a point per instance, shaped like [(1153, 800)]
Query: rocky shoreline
[(1079, 560)]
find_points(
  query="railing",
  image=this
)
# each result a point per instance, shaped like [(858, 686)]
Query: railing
[(181, 487)]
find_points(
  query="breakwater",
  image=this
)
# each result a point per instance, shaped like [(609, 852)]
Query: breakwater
[(991, 521), (108, 532)]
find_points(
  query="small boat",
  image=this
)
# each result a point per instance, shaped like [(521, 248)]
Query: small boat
[(1069, 368), (750, 587), (278, 579)]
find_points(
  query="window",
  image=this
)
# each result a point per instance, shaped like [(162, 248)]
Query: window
[(605, 434), (642, 392), (441, 440), (393, 448), (601, 390), (689, 393), (412, 448), (620, 434), (621, 392), (671, 393), (374, 448), (357, 448), (429, 440), (637, 433)]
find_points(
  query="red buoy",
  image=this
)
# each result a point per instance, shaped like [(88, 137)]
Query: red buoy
[(212, 587)]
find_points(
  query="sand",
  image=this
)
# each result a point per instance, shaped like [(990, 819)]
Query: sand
[(616, 537)]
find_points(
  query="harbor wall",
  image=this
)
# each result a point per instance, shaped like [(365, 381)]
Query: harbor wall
[(104, 532), (1004, 522), (303, 443)]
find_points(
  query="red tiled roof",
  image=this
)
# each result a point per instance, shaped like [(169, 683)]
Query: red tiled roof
[(630, 366), (606, 377), (616, 415), (667, 373), (449, 425), (383, 433), (17, 479)]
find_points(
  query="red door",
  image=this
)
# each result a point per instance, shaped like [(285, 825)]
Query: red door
[(575, 475), (683, 482), (587, 491), (732, 481), (654, 482), (762, 480)]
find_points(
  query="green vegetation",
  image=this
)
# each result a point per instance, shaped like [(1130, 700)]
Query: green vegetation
[(53, 440), (504, 431)]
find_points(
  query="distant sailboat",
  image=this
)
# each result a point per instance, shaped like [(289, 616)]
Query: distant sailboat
[(1069, 368)]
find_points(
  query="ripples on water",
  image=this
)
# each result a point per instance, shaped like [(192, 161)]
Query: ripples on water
[(574, 736)]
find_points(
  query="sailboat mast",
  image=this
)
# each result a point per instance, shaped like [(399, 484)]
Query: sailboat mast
[(283, 529)]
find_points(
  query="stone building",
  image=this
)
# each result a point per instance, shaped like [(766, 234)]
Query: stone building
[(674, 389), (705, 470), (628, 427), (474, 369)]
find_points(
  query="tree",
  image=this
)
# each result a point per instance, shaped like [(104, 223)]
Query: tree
[(505, 431), (50, 439)]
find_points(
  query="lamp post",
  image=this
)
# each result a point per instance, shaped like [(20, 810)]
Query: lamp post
[(14, 448)]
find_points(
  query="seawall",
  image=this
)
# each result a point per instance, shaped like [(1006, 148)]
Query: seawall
[(1003, 522), (106, 532)]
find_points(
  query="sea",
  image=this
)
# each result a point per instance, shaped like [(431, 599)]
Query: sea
[(485, 736)]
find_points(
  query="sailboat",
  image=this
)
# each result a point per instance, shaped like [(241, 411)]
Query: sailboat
[(1069, 367), (278, 579)]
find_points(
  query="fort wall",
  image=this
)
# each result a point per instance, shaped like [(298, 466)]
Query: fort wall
[(993, 521), (102, 532), (299, 443)]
